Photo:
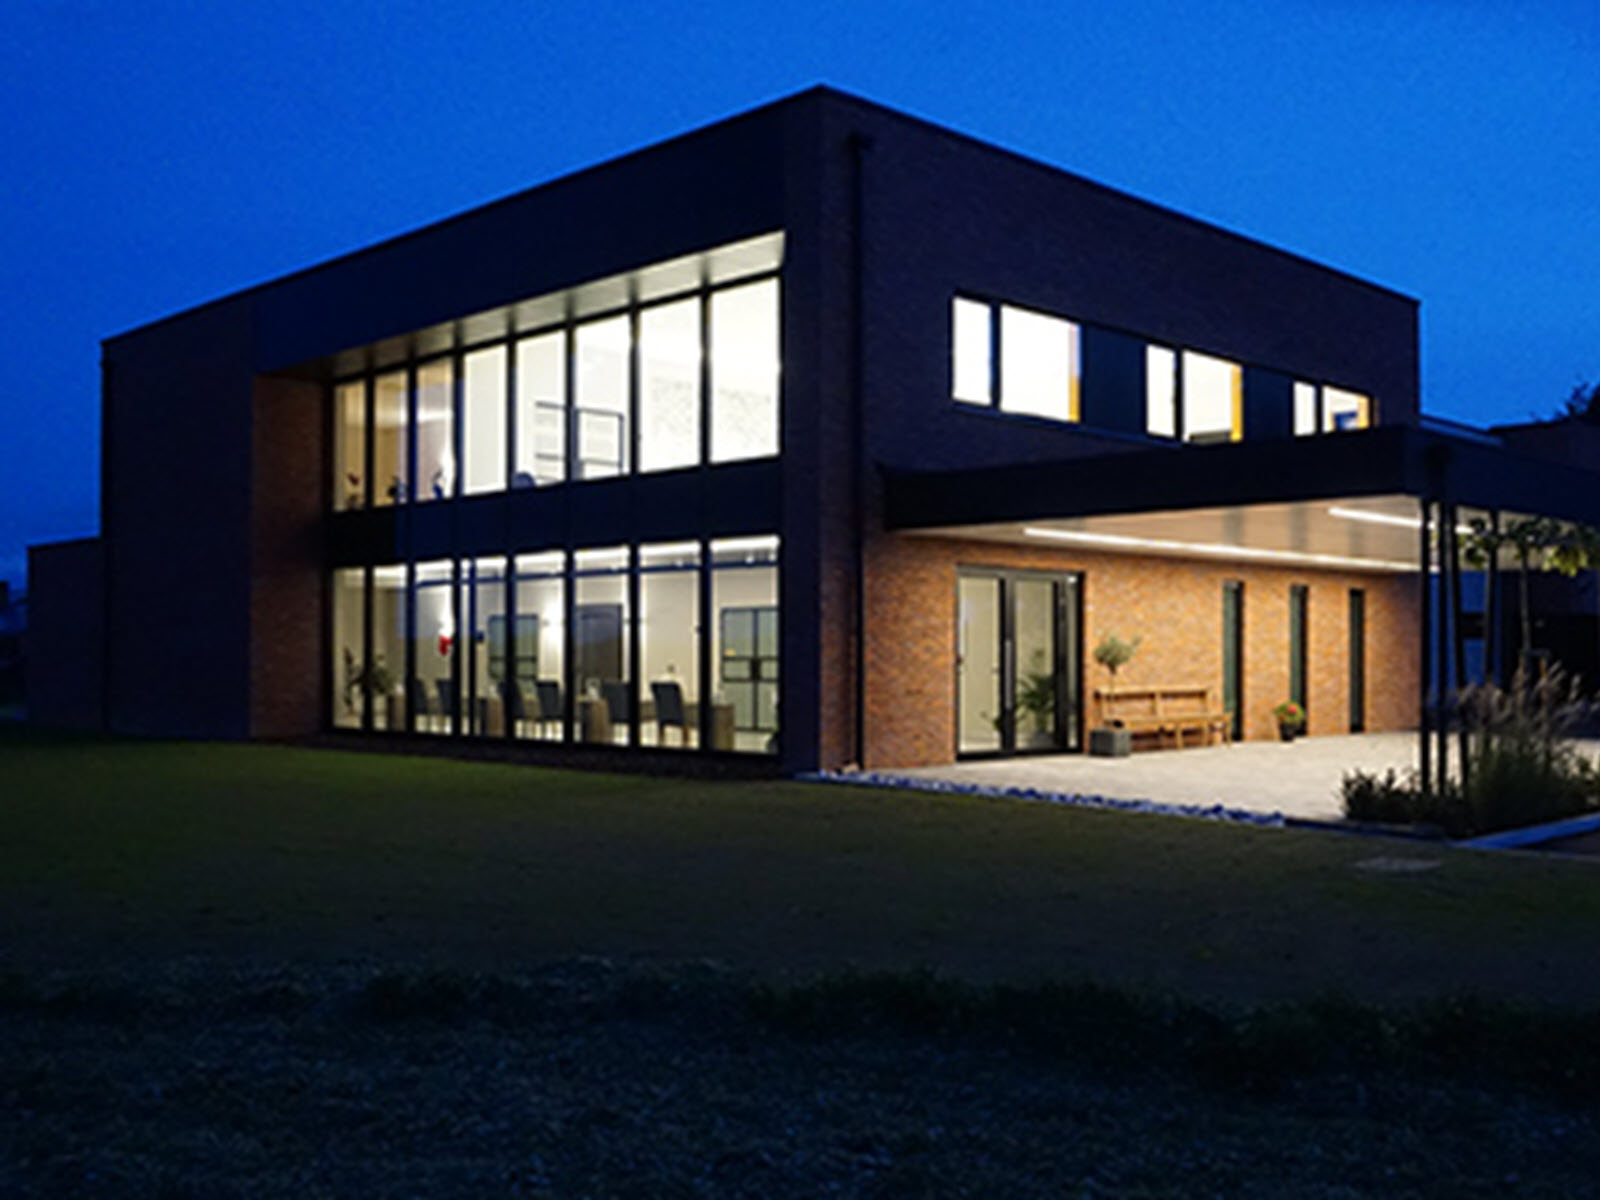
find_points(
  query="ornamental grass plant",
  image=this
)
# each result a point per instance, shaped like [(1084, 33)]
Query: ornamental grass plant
[(1522, 765)]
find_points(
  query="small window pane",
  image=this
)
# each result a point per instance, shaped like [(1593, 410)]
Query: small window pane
[(602, 398), (1161, 391), (1305, 409), (669, 386), (1212, 399), (1038, 364), (972, 360), (744, 372), (1344, 410), (483, 410), (541, 410)]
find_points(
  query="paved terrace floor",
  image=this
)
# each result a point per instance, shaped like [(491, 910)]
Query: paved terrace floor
[(1297, 779)]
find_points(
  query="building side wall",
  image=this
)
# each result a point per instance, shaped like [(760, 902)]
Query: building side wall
[(1173, 605), (289, 499), (945, 215), (175, 504), (66, 635)]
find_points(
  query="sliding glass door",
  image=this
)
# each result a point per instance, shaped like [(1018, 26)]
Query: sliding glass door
[(1018, 677)]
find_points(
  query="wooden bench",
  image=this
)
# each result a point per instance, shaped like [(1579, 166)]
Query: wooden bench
[(1165, 711)]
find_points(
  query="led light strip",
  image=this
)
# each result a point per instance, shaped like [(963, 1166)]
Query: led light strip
[(1377, 518), (1214, 549)]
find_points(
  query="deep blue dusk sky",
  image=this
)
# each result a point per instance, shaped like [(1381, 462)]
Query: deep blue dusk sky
[(159, 153)]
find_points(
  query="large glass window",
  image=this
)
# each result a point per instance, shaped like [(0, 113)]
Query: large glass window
[(541, 410), (1161, 391), (669, 644), (482, 606), (388, 647), (483, 420), (350, 445), (971, 352), (745, 645), (604, 710), (1038, 364), (435, 694), (391, 468), (601, 403), (349, 646), (744, 371), (436, 454), (1213, 399), (669, 385), (538, 648)]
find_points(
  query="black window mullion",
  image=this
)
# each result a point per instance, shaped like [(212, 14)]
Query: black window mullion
[(632, 405), (703, 666), (995, 380), (704, 382), (633, 681)]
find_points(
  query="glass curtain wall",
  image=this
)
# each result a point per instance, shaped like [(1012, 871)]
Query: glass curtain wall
[(604, 707), (539, 646), (744, 650), (669, 644), (452, 646)]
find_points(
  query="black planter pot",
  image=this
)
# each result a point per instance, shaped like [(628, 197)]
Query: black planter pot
[(1288, 733)]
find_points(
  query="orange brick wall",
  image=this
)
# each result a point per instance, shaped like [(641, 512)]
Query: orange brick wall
[(1174, 605)]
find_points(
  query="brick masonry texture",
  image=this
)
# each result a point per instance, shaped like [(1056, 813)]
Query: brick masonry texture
[(1174, 605)]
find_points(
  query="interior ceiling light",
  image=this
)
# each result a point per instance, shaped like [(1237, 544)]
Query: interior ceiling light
[(1214, 549)]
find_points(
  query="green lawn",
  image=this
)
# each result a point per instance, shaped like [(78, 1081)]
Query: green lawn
[(125, 853)]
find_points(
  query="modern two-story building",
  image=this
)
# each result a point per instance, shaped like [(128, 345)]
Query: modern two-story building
[(818, 436)]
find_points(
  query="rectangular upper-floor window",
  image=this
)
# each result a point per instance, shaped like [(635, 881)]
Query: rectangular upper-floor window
[(436, 448), (669, 385), (1017, 359), (744, 371), (1343, 410), (971, 351), (1161, 391), (600, 404), (541, 410), (1305, 408), (483, 420), (1328, 409), (1038, 364), (1213, 399), (391, 456), (350, 445)]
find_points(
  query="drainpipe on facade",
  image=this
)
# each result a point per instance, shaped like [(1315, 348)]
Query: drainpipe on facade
[(859, 143)]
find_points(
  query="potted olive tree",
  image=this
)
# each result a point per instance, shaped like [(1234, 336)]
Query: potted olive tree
[(1112, 740)]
